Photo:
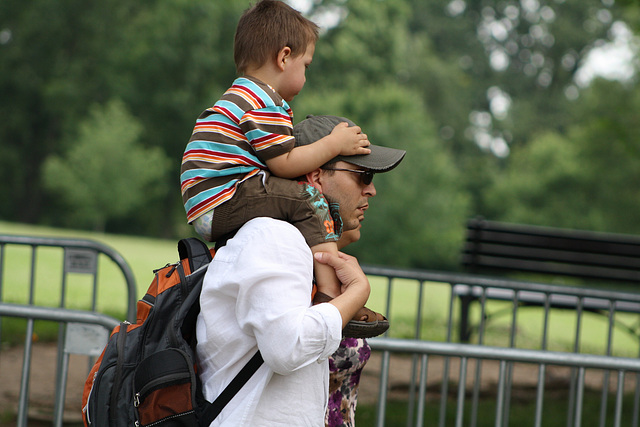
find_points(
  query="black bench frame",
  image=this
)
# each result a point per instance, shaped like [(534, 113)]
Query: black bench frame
[(493, 246)]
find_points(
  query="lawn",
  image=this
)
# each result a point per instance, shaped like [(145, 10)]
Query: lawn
[(143, 255)]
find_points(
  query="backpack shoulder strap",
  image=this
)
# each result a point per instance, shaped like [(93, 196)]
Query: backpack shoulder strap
[(212, 410), (196, 251), (199, 254)]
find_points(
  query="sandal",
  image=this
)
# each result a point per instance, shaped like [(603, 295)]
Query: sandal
[(365, 324)]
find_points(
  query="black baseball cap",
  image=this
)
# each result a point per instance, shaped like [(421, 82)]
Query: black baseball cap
[(313, 128)]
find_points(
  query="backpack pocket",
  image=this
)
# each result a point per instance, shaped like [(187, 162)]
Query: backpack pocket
[(96, 411), (164, 386)]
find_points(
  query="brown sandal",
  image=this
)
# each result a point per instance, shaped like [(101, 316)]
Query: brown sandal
[(365, 324)]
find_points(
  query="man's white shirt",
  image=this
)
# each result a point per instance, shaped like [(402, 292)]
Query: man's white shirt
[(257, 294)]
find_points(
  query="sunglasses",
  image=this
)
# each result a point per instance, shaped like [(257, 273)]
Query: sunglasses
[(366, 177)]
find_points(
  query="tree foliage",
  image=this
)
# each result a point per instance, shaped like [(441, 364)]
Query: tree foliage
[(106, 174), (588, 178), (421, 205), (481, 94), (167, 61)]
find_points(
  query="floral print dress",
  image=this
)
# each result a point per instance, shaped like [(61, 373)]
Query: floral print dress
[(345, 367)]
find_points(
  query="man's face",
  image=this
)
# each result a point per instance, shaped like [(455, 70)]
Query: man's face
[(348, 189)]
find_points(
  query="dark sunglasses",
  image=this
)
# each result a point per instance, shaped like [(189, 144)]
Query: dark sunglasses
[(366, 177)]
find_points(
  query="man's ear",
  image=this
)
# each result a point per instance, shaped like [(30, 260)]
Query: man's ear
[(283, 56), (313, 178)]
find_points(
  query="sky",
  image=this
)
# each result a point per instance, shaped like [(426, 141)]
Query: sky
[(613, 60)]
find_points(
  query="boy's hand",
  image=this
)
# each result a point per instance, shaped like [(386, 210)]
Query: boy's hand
[(351, 139)]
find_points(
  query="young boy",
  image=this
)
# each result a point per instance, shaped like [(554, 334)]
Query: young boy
[(240, 160)]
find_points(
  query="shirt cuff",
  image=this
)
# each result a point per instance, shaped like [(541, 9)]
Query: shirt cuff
[(331, 315)]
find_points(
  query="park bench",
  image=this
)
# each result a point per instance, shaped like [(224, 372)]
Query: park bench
[(492, 247)]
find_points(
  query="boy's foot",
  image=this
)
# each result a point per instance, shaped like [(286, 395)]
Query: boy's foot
[(365, 324)]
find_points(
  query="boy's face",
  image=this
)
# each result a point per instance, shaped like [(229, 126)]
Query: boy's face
[(294, 73)]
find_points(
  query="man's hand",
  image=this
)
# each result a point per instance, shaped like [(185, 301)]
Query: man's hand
[(355, 285)]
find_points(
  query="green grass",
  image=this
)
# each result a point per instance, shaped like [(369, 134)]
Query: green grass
[(529, 322), (143, 255), (522, 412)]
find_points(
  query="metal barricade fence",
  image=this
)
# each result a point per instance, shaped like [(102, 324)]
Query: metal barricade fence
[(507, 358), (25, 266), (78, 256), (474, 303), (83, 332), (467, 307)]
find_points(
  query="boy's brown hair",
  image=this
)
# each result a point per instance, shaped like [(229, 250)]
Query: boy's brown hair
[(267, 27)]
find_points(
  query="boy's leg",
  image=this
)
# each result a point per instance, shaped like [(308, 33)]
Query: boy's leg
[(326, 280), (202, 225)]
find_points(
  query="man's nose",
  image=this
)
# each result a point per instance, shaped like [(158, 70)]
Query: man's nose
[(369, 190)]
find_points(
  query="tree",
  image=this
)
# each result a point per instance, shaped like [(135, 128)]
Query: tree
[(106, 174), (607, 132), (502, 72), (43, 90), (167, 61), (461, 82), (418, 219), (588, 179), (492, 75), (543, 184)]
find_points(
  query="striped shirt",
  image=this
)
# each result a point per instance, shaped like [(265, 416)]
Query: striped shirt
[(231, 142)]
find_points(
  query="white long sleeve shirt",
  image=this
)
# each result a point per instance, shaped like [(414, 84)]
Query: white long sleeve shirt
[(257, 294)]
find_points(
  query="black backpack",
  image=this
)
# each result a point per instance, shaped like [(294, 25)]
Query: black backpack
[(146, 375)]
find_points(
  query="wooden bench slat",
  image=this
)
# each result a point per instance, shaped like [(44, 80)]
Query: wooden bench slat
[(548, 267), (547, 250), (582, 245), (553, 255)]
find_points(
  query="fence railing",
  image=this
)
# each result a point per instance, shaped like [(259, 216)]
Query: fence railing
[(472, 304), (491, 316), (491, 297), (77, 256), (579, 364), (83, 332), (26, 265)]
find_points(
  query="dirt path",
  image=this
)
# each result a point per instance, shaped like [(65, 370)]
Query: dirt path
[(41, 384)]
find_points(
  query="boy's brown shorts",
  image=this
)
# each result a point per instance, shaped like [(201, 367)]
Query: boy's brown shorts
[(296, 202)]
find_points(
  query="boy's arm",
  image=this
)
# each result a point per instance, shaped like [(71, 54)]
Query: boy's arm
[(343, 140)]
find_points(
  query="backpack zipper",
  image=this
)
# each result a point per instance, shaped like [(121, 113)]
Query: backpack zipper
[(171, 378), (85, 410)]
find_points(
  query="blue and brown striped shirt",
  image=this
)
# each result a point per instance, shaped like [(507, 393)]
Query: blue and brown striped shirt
[(231, 142)]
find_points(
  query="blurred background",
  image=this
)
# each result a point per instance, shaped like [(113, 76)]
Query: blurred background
[(524, 111)]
